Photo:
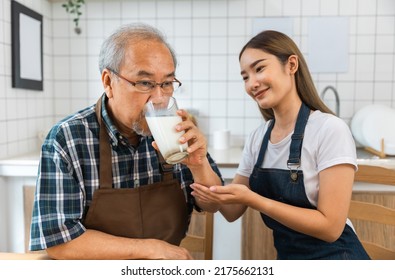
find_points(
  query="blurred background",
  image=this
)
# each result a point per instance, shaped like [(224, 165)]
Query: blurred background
[(207, 37)]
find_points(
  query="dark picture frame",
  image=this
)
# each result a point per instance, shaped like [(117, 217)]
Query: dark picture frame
[(27, 47)]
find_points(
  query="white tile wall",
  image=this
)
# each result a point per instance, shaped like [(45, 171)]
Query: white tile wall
[(23, 112), (207, 36)]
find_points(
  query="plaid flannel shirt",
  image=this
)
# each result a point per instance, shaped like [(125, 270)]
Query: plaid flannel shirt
[(69, 174)]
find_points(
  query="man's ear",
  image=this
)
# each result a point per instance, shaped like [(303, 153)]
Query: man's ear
[(106, 81), (293, 63)]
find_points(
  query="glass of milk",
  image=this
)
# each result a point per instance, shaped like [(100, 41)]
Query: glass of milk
[(162, 118)]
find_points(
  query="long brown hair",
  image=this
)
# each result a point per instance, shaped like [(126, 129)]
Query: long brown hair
[(281, 46)]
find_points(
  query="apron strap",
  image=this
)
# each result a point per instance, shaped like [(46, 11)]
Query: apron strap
[(293, 162), (296, 142), (265, 141), (165, 168), (105, 175)]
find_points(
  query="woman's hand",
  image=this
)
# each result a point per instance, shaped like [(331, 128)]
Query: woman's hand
[(228, 197), (229, 194)]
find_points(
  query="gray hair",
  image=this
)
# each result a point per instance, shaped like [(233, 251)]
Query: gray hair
[(112, 51)]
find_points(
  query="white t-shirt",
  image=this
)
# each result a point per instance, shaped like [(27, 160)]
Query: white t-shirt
[(327, 142)]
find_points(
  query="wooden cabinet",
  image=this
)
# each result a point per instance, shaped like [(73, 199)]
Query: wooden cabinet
[(257, 239)]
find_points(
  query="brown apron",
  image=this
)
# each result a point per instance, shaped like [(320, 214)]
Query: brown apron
[(156, 211)]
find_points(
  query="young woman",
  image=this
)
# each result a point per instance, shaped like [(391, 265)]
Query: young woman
[(298, 166)]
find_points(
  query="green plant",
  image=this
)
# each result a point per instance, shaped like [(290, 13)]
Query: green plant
[(73, 7)]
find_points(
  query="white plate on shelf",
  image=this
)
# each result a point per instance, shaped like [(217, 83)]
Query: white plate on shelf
[(378, 124), (359, 118)]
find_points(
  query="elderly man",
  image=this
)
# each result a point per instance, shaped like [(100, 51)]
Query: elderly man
[(103, 190)]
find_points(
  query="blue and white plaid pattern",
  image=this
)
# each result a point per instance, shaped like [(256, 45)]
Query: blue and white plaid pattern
[(69, 174)]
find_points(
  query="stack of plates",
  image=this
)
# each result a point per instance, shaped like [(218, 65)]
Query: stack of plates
[(373, 123)]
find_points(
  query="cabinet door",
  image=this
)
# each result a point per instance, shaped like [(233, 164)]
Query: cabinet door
[(257, 238), (28, 200)]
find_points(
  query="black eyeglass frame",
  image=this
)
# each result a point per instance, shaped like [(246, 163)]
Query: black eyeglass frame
[(152, 83)]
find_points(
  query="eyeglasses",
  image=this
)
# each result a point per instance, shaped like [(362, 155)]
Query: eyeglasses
[(148, 86)]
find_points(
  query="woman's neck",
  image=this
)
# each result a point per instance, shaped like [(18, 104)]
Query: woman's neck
[(285, 117)]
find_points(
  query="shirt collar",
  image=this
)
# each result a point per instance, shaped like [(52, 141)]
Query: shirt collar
[(111, 129), (115, 136)]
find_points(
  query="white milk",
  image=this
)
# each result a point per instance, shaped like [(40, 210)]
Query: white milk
[(165, 134)]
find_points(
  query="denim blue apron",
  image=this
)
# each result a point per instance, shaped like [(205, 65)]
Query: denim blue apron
[(287, 186)]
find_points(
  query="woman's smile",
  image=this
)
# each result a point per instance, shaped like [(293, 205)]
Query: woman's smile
[(260, 94)]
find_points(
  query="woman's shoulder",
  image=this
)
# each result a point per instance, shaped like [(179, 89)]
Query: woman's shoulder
[(323, 127), (322, 120)]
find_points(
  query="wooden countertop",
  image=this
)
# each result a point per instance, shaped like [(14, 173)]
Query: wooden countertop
[(27, 165), (230, 158)]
